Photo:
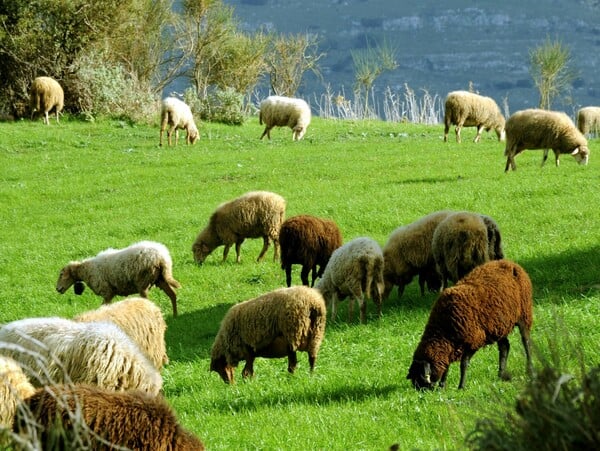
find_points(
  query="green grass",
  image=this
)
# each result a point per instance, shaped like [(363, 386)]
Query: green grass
[(69, 191)]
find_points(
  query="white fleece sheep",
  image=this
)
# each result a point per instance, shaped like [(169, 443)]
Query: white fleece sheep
[(14, 387), (356, 270), (467, 109), (121, 272), (542, 129), (284, 112), (57, 350), (252, 215), (588, 120), (141, 320), (45, 95), (176, 114)]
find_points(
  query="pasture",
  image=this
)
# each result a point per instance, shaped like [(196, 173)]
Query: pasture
[(68, 191)]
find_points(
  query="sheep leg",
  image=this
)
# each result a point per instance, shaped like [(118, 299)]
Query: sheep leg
[(446, 128), (545, 157), (226, 251), (304, 274), (238, 249), (266, 132), (503, 349), (443, 378), (288, 275), (333, 306), (248, 370), (464, 364), (363, 310), (169, 134), (457, 131), (526, 340), (312, 358), (478, 135), (264, 250), (556, 157), (275, 249), (164, 285), (292, 361)]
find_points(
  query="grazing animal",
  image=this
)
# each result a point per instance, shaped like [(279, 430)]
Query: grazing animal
[(14, 387), (588, 120), (278, 111), (174, 115), (467, 109), (46, 95)]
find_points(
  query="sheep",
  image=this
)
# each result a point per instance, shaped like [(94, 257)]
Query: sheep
[(284, 111), (122, 272), (308, 241), (141, 320), (588, 120), (541, 129), (176, 114), (45, 95), (14, 387), (481, 309), (408, 253), (354, 269), (252, 215), (87, 417), (273, 325), (57, 350), (468, 109)]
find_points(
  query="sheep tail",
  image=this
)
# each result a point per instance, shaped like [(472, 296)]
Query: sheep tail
[(367, 272), (167, 275)]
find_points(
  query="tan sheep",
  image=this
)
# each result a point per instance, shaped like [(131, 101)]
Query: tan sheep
[(46, 95), (467, 109), (278, 111), (588, 120), (14, 387), (174, 115), (276, 324)]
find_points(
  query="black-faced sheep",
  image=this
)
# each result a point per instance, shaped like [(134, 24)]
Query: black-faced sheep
[(356, 270), (467, 109), (46, 95), (481, 309), (121, 272), (141, 320), (174, 115), (14, 387), (86, 417), (257, 214), (588, 120), (274, 325), (541, 129), (284, 112), (308, 241)]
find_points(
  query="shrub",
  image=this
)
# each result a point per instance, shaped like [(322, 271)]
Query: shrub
[(224, 106)]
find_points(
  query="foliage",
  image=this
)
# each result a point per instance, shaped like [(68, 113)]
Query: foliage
[(224, 106)]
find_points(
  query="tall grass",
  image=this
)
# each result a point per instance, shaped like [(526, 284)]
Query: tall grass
[(70, 190)]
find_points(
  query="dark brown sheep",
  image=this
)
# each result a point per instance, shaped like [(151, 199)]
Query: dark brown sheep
[(481, 309), (308, 241)]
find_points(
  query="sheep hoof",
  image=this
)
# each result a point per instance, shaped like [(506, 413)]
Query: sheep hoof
[(505, 376)]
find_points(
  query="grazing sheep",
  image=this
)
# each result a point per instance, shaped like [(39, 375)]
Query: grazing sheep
[(284, 111), (467, 109), (407, 253), (253, 215), (588, 120), (122, 272), (481, 309), (56, 350), (45, 95), (541, 129), (356, 270), (93, 418), (14, 387), (495, 251), (141, 320), (274, 325), (176, 114), (308, 241)]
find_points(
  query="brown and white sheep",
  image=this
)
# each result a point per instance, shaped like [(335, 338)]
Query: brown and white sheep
[(174, 115), (356, 270), (87, 417), (308, 241), (588, 120), (121, 272), (467, 109), (256, 214), (481, 309), (46, 95), (284, 112), (276, 324), (541, 129), (14, 387)]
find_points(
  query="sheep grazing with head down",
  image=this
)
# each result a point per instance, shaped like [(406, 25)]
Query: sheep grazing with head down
[(467, 109), (356, 270), (274, 325), (121, 272), (14, 387), (308, 241), (278, 111), (541, 129), (46, 95), (257, 214), (482, 308), (174, 115), (588, 120)]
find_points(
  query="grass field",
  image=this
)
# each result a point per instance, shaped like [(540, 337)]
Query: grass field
[(69, 191)]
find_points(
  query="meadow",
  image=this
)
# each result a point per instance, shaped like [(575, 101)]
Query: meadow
[(68, 191)]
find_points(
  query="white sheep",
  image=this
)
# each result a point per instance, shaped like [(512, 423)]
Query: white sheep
[(588, 120), (57, 350), (467, 109), (176, 114), (356, 270), (45, 95), (542, 129), (14, 387), (139, 318), (122, 272), (252, 215), (284, 112)]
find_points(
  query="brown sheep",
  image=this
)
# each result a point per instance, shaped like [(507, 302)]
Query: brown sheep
[(481, 309), (308, 241), (46, 95)]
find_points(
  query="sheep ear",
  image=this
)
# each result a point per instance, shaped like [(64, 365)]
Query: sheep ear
[(576, 151)]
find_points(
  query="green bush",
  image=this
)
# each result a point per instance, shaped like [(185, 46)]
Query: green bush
[(222, 106)]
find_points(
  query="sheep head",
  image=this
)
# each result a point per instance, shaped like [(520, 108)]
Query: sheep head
[(225, 370), (581, 154), (67, 277), (192, 134), (420, 375), (201, 250)]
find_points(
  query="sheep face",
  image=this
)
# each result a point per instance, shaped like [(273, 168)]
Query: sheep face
[(201, 250), (192, 135), (225, 370), (66, 278), (581, 154), (298, 132), (421, 376)]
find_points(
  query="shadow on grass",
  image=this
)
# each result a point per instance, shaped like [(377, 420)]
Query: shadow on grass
[(429, 180)]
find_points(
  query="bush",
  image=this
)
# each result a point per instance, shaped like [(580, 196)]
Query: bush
[(224, 106)]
